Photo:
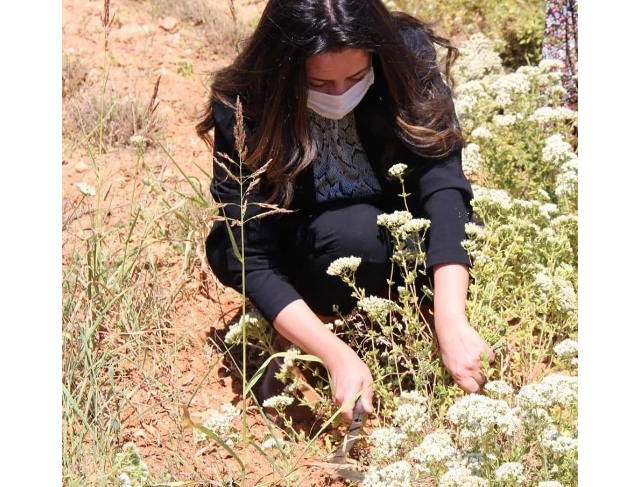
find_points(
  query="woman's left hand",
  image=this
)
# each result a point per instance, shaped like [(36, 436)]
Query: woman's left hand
[(461, 347)]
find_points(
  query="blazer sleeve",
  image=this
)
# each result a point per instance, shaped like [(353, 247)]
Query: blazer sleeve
[(439, 188), (266, 286), (441, 192)]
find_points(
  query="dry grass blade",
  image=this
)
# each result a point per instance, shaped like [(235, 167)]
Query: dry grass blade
[(105, 18), (275, 209), (239, 131), (107, 22), (232, 11), (255, 180), (153, 103), (226, 169)]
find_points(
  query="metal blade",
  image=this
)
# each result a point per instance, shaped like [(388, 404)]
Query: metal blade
[(353, 434)]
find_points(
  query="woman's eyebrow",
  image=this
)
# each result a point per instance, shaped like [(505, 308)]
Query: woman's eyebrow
[(351, 76)]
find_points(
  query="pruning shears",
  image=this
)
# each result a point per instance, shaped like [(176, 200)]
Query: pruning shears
[(339, 462)]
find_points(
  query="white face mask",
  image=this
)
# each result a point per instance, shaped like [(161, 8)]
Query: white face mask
[(336, 107)]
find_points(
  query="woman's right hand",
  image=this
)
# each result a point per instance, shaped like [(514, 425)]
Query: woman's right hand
[(350, 375), (351, 379)]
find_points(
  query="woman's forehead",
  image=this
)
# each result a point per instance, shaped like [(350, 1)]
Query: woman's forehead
[(337, 65)]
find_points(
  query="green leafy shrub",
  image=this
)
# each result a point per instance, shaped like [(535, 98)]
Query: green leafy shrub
[(516, 26), (520, 138)]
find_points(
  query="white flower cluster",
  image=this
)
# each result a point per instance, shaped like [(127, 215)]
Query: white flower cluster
[(395, 220), (397, 474), (461, 477), (481, 133), (567, 348), (137, 140), (550, 79), (397, 170), (338, 323), (387, 442), (550, 82), (567, 179), (529, 71), (473, 88), (493, 197), (465, 106), (508, 85), (344, 266), (564, 228), (414, 227), (543, 283), (472, 159), (86, 189), (474, 230), (557, 90), (289, 362), (549, 115), (478, 58), (556, 389), (506, 120), (435, 448), (220, 423), (274, 442), (411, 413), (557, 290), (477, 415), (549, 483), (557, 151), (132, 470), (279, 402), (547, 65), (549, 209), (377, 308), (565, 296), (410, 417), (498, 388), (536, 418), (511, 473), (559, 443), (255, 326), (469, 95), (475, 461)]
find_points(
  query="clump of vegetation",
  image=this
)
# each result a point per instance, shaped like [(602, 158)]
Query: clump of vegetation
[(516, 26), (185, 68), (222, 27), (521, 139), (74, 74), (111, 118)]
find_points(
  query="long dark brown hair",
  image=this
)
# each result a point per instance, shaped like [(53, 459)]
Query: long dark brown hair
[(269, 78)]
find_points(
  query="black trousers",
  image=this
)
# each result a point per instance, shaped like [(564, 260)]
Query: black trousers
[(310, 241)]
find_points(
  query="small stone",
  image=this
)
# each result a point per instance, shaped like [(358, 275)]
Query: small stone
[(93, 75), (170, 24), (81, 167), (127, 32)]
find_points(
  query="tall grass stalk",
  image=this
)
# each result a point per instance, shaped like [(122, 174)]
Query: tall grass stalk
[(106, 23), (239, 250)]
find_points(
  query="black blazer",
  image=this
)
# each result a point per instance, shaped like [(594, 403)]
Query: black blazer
[(439, 191)]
